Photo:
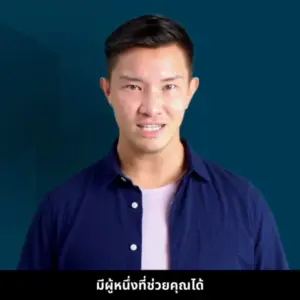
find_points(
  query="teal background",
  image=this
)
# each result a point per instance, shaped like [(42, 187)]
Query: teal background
[(54, 119)]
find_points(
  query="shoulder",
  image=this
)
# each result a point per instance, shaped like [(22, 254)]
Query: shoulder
[(226, 187), (239, 198), (234, 189), (248, 209), (226, 180), (70, 192)]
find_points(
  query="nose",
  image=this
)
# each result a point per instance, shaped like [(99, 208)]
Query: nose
[(152, 104)]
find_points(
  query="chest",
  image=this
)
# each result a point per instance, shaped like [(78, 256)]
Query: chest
[(189, 233)]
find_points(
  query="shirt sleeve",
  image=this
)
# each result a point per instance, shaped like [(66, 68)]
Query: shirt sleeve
[(38, 251), (269, 252)]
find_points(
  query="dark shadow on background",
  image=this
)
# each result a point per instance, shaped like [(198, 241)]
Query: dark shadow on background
[(87, 129), (39, 148), (29, 93), (29, 80)]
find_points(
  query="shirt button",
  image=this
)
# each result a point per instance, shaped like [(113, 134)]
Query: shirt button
[(134, 205), (133, 247)]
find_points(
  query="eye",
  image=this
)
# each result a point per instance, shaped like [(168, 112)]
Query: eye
[(132, 87), (170, 86)]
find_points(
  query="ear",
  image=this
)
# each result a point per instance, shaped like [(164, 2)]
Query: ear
[(105, 87), (193, 86)]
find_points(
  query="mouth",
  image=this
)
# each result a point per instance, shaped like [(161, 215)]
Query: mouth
[(151, 127)]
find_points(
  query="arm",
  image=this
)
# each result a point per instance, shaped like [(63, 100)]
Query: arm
[(38, 251), (269, 252)]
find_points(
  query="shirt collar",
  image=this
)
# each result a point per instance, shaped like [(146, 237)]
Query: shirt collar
[(195, 163), (110, 166)]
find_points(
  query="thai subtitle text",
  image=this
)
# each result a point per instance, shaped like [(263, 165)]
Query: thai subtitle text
[(109, 285)]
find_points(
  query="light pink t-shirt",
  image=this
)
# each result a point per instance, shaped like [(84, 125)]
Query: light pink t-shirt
[(155, 246)]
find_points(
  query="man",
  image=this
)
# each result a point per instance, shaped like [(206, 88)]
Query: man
[(152, 203)]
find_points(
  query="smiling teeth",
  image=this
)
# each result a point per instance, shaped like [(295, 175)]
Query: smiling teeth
[(151, 127)]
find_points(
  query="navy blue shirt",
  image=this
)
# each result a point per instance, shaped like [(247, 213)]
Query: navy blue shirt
[(217, 221)]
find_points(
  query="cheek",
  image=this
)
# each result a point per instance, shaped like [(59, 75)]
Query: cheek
[(176, 104), (124, 105)]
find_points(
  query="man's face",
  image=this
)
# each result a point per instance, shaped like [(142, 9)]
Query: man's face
[(149, 91)]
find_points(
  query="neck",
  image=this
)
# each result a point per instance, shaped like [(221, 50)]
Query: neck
[(152, 170)]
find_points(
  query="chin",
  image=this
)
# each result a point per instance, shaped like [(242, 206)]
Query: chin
[(150, 146)]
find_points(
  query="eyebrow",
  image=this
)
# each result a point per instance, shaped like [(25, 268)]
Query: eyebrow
[(136, 79)]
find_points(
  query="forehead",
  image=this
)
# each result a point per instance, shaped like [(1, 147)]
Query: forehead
[(150, 64)]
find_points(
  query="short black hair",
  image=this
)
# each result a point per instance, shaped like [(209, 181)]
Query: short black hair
[(149, 31)]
